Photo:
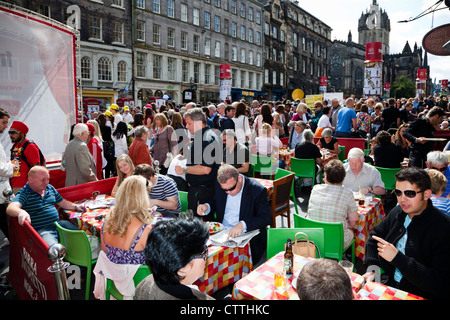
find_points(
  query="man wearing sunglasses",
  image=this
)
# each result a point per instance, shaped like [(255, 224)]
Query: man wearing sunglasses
[(241, 204), (412, 245), (438, 160)]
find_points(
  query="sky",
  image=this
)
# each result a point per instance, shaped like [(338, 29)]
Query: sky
[(343, 15)]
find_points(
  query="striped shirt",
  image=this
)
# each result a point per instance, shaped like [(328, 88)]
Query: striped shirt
[(441, 203), (42, 210), (331, 203), (165, 188)]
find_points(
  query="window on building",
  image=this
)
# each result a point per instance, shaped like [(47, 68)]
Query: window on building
[(207, 46), (156, 8), (207, 73), (122, 71), (217, 24), (184, 40), (196, 43), (118, 3), (250, 57), (171, 37), (242, 33), (266, 75), (207, 20), (44, 10), (104, 69), (117, 32), (86, 67), (140, 4), (196, 72), (250, 80), (171, 69), (196, 17), (250, 13), (157, 64), (233, 6), (233, 53), (184, 14), (250, 35), (242, 10), (216, 75), (258, 60), (140, 30), (217, 49), (95, 28), (274, 77), (242, 55), (171, 8), (185, 71), (233, 29), (156, 34), (141, 63)]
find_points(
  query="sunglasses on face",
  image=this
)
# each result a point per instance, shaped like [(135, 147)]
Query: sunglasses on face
[(13, 132), (408, 193), (202, 255), (230, 189)]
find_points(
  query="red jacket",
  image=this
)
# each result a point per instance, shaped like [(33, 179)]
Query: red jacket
[(138, 152)]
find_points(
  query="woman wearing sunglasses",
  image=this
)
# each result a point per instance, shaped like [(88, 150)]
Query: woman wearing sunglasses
[(412, 244), (176, 253)]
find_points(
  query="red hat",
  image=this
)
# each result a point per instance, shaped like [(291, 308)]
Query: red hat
[(91, 127), (20, 126)]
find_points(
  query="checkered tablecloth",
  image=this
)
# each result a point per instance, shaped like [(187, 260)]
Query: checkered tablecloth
[(378, 291), (285, 155), (259, 284), (268, 184), (370, 215), (224, 266)]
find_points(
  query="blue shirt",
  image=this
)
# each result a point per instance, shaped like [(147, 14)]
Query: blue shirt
[(401, 244), (344, 119), (441, 203), (296, 138), (42, 210)]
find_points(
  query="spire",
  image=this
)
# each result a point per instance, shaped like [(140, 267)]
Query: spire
[(349, 37), (407, 48), (425, 60)]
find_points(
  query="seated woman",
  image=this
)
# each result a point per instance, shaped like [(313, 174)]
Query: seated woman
[(267, 143), (125, 169), (401, 141), (307, 149), (126, 227), (331, 202), (386, 154), (328, 141), (438, 185), (176, 252)]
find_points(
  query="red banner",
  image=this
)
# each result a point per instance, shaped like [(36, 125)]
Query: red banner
[(444, 83), (422, 74), (387, 85), (322, 81), (374, 51), (225, 71), (28, 263)]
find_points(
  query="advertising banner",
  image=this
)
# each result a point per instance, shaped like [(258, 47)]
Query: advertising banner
[(374, 51), (28, 263), (372, 78), (38, 79), (225, 71), (225, 89)]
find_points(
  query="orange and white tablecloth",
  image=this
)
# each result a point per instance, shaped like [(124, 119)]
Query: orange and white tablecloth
[(259, 284), (224, 266), (285, 155), (370, 214), (268, 184), (379, 291)]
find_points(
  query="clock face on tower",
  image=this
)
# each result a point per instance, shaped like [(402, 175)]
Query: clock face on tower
[(373, 20)]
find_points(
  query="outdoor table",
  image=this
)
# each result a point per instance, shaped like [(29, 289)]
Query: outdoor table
[(268, 184), (370, 215), (379, 291), (259, 284), (224, 266), (285, 155), (327, 156)]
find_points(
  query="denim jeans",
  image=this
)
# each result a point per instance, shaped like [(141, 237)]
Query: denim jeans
[(49, 233)]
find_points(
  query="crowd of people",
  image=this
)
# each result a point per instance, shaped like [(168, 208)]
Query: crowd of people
[(155, 152)]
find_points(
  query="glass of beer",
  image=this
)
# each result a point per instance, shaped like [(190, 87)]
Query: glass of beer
[(279, 281)]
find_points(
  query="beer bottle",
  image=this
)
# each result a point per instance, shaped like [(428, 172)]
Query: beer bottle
[(289, 258)]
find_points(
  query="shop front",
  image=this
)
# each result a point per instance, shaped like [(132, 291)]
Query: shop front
[(106, 97), (247, 95), (147, 92)]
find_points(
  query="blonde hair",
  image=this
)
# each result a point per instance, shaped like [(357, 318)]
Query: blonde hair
[(162, 117), (120, 174), (97, 131), (132, 199), (438, 181), (266, 128)]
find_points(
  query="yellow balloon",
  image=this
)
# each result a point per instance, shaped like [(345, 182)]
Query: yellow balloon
[(298, 94)]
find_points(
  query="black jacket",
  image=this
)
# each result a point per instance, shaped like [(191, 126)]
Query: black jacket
[(425, 264)]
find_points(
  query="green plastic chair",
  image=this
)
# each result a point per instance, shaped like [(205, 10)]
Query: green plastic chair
[(304, 168), (334, 237), (388, 176), (280, 173), (261, 164), (183, 195), (111, 289), (341, 154), (276, 239), (78, 251)]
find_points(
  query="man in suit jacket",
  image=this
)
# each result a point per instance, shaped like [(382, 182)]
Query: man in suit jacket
[(241, 204), (80, 166)]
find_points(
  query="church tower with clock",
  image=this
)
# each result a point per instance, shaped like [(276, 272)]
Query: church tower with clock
[(374, 26)]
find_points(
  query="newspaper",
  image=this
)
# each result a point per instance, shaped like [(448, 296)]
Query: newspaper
[(221, 239)]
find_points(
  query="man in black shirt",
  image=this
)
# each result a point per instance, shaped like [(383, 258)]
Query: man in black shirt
[(391, 116), (418, 131), (235, 153), (204, 156)]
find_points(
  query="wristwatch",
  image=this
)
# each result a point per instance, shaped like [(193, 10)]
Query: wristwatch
[(185, 170)]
